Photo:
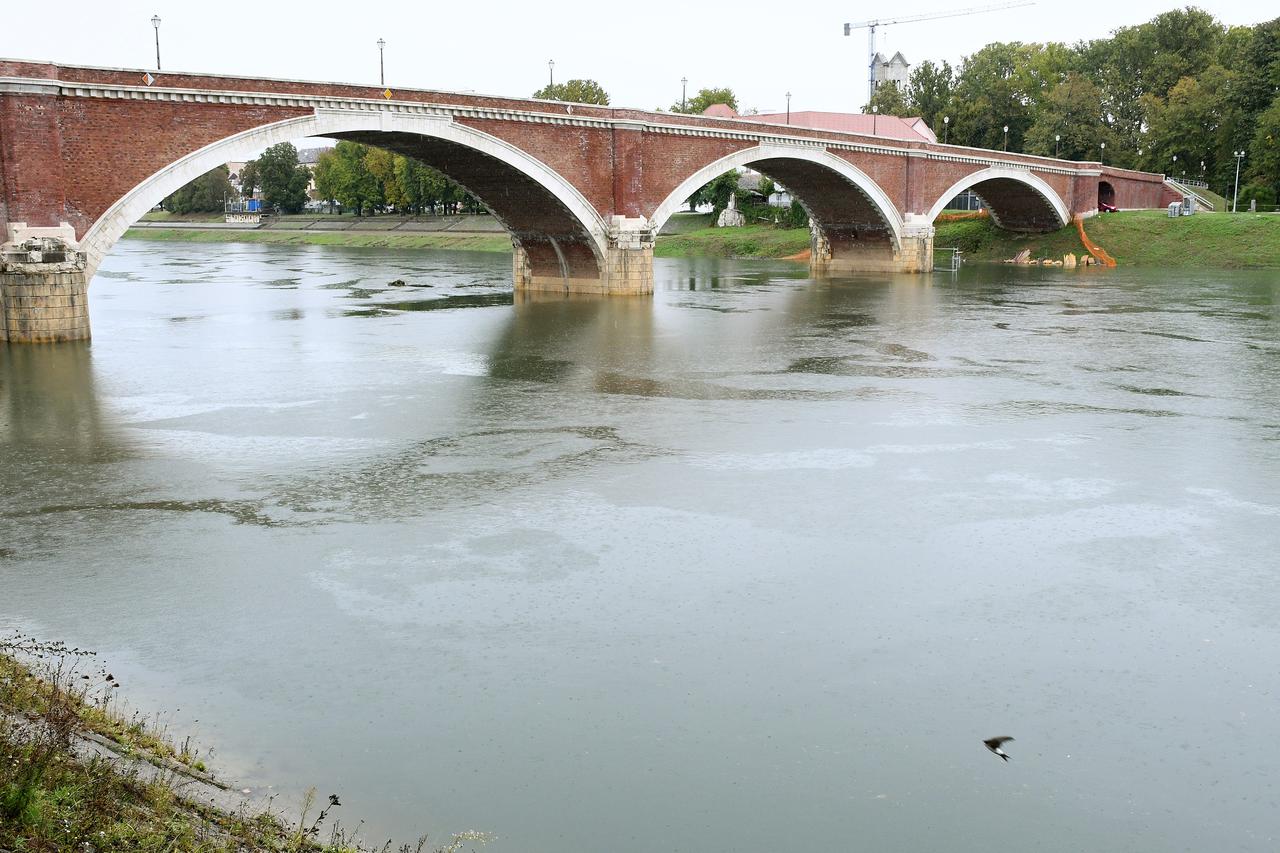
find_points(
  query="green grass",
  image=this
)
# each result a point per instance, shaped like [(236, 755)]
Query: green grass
[(471, 242), (1220, 204), (1147, 238), (750, 241), (1139, 238)]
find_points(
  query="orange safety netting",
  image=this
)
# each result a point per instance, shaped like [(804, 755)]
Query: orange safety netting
[(1094, 249), (957, 217)]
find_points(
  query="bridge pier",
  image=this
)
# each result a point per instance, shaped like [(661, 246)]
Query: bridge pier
[(625, 269), (43, 287), (914, 254)]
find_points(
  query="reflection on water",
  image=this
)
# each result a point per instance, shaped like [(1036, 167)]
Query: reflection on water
[(755, 564)]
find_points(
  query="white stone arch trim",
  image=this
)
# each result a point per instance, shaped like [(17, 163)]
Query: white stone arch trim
[(771, 151), (1023, 176), (130, 207)]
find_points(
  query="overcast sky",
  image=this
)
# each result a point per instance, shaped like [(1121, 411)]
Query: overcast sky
[(637, 51)]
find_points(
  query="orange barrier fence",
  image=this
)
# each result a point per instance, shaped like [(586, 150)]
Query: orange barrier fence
[(1094, 249), (957, 217)]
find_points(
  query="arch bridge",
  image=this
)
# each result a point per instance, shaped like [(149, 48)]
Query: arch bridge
[(582, 189)]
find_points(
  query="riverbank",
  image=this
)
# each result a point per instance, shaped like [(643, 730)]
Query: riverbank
[(75, 774), (1138, 238), (462, 241)]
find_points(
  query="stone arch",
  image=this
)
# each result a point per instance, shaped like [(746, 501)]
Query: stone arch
[(1016, 199), (570, 242), (852, 213)]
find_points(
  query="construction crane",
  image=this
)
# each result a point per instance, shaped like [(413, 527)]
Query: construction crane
[(871, 26)]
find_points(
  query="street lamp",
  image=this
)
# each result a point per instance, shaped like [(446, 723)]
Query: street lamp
[(1239, 155), (551, 72), (1006, 137), (1103, 157), (155, 22), (946, 125), (875, 110), (382, 73), (788, 108), (1057, 138), (684, 88)]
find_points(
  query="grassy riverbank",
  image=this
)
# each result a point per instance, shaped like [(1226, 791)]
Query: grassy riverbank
[(77, 775), (465, 241), (1146, 238), (1138, 238)]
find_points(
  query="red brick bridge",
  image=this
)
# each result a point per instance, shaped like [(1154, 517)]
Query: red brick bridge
[(582, 189)]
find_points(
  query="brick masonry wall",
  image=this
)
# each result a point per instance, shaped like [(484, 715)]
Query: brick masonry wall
[(68, 157)]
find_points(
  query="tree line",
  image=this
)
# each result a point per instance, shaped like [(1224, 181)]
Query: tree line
[(1163, 96), (363, 178)]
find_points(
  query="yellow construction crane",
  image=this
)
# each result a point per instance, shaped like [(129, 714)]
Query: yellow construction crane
[(871, 31)]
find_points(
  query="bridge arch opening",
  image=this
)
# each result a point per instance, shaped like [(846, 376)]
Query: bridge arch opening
[(1106, 194), (855, 224), (1016, 199), (556, 233)]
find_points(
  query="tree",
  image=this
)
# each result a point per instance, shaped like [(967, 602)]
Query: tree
[(326, 177), (929, 90), (716, 192), (354, 186), (249, 179), (577, 91), (1195, 122), (888, 100), (706, 97), (987, 97), (1264, 153), (1073, 111), (284, 182), (205, 194), (381, 164)]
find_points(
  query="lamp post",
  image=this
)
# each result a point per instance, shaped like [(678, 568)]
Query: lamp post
[(875, 112), (1006, 137), (1239, 155), (946, 125), (1057, 138), (684, 89), (1175, 165), (155, 22), (551, 73), (788, 108), (382, 73), (1103, 157)]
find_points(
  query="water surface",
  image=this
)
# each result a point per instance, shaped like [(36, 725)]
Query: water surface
[(752, 565)]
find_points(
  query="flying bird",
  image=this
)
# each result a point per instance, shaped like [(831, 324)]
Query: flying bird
[(994, 745)]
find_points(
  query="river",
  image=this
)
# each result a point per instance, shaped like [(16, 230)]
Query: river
[(753, 565)]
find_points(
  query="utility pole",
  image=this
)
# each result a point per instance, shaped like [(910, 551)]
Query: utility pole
[(1236, 195)]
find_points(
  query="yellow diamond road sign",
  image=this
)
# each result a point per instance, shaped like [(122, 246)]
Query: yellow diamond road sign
[(386, 93), (148, 79)]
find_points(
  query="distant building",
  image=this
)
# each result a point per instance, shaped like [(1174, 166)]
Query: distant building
[(912, 129), (896, 69)]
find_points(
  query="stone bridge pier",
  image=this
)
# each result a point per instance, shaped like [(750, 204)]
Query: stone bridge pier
[(625, 267), (43, 286)]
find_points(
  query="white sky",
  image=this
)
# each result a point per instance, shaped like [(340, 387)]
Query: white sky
[(637, 51)]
